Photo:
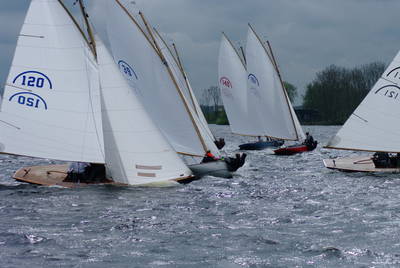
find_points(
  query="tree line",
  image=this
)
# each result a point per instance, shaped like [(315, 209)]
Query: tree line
[(337, 91), (330, 98)]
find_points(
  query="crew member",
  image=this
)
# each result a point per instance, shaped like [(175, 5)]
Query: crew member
[(209, 157)]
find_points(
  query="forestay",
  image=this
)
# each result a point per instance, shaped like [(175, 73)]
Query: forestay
[(374, 124), (51, 102), (267, 100), (190, 98), (135, 150), (233, 86), (142, 66)]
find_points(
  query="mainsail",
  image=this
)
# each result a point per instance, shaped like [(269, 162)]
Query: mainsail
[(267, 101), (135, 150), (233, 86), (140, 61), (373, 126), (190, 98), (51, 102)]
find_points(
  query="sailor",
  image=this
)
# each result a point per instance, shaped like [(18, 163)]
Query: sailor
[(309, 139), (209, 157), (260, 139), (220, 143), (77, 171)]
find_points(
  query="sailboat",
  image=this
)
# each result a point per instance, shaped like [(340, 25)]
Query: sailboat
[(372, 127), (65, 99), (255, 97), (159, 83)]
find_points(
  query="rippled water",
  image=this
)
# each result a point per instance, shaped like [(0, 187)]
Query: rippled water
[(276, 212)]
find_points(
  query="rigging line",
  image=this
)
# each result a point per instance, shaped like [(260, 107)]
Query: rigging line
[(366, 121), (25, 89), (34, 36), (11, 125), (387, 80)]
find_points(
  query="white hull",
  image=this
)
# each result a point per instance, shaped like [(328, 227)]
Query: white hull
[(216, 169), (356, 164)]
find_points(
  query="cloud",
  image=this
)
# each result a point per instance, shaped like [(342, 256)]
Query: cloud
[(307, 35)]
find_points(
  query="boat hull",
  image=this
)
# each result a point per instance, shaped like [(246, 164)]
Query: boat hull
[(215, 169), (357, 164), (56, 175), (257, 146), (291, 150)]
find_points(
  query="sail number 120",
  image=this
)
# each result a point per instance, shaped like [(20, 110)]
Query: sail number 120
[(32, 81)]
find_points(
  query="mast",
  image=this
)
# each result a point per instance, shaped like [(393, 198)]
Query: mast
[(88, 28), (175, 83), (243, 54), (273, 61)]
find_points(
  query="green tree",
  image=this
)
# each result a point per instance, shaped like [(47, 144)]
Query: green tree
[(336, 91), (291, 91)]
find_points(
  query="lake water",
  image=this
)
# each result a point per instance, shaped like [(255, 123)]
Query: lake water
[(276, 212)]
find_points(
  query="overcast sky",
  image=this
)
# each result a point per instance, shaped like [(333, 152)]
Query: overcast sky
[(306, 35)]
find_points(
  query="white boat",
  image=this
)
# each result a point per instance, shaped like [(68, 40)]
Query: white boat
[(65, 99), (373, 125), (157, 79), (254, 94)]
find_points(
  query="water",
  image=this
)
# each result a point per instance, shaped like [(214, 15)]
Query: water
[(276, 212)]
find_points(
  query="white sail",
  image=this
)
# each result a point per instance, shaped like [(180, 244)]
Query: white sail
[(190, 98), (51, 103), (144, 70), (233, 85), (299, 129), (135, 151), (373, 126), (267, 101)]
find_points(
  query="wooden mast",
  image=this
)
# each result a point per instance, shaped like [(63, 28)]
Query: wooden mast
[(175, 83), (89, 28), (272, 59)]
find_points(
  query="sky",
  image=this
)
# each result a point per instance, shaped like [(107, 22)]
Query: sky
[(306, 35)]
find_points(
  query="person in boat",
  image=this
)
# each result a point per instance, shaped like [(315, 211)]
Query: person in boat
[(309, 139), (260, 139), (86, 172), (77, 171), (381, 160), (310, 142), (209, 157), (220, 143)]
